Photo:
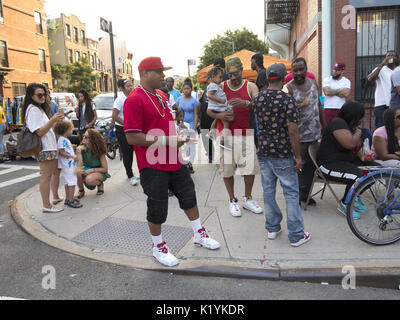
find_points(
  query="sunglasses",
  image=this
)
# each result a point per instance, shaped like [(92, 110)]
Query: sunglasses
[(41, 95), (85, 137), (233, 74)]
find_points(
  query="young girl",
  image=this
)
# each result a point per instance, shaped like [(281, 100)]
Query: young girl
[(218, 103), (67, 161), (183, 129), (191, 107)]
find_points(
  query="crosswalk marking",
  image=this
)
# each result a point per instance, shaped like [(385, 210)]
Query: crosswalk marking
[(10, 169), (5, 166), (18, 180), (6, 171)]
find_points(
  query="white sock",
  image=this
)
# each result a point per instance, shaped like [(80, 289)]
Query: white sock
[(196, 225), (157, 240)]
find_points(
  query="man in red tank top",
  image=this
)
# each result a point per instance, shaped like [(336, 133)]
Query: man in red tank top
[(240, 94)]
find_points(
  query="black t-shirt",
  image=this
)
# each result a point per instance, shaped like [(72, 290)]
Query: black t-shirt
[(331, 150), (262, 79)]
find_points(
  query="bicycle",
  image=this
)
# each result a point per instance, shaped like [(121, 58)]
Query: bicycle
[(379, 194)]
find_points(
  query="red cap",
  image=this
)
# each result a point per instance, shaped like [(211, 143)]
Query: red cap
[(339, 66), (152, 63)]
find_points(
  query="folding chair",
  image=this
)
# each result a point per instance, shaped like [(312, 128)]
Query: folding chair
[(319, 176)]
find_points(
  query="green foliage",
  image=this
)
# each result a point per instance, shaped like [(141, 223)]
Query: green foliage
[(80, 75), (57, 71), (243, 39)]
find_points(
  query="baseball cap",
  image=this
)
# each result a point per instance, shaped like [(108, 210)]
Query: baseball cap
[(152, 63), (276, 71), (234, 62), (339, 66)]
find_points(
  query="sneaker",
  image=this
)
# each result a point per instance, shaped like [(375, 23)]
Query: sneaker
[(251, 205), (6, 160), (162, 254), (234, 208), (134, 181), (225, 146), (202, 239), (359, 206), (190, 168), (52, 210), (342, 209), (306, 238), (273, 235)]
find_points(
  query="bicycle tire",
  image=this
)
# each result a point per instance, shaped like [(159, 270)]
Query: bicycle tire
[(111, 152), (354, 224)]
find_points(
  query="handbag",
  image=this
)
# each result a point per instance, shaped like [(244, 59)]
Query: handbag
[(28, 143)]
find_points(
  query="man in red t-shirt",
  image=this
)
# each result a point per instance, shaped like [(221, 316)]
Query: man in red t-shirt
[(240, 94), (150, 127)]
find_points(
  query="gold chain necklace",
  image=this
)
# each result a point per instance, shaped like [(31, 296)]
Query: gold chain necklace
[(155, 106)]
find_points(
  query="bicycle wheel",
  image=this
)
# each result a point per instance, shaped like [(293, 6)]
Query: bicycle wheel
[(111, 152), (378, 224)]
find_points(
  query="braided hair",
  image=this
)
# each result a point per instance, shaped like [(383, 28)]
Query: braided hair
[(388, 119)]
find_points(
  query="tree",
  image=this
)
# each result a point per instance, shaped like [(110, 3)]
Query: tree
[(243, 39), (80, 75)]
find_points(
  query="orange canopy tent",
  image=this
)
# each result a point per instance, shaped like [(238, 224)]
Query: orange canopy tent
[(245, 57)]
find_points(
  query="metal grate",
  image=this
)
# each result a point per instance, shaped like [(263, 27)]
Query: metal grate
[(282, 11), (132, 237)]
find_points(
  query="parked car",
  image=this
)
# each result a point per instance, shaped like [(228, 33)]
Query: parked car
[(65, 100)]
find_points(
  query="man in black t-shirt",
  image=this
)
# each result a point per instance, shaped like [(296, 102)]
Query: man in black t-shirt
[(257, 64)]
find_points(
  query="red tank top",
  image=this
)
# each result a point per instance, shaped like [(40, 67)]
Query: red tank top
[(242, 114)]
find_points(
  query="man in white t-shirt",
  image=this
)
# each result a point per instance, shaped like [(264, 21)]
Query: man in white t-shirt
[(118, 117), (383, 92), (337, 90)]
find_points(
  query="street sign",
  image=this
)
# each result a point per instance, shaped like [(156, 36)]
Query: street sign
[(104, 25), (191, 62)]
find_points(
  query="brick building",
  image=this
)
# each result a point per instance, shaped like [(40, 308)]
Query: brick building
[(356, 32), (24, 50)]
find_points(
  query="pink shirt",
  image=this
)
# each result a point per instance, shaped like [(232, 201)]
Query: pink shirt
[(380, 132), (289, 77)]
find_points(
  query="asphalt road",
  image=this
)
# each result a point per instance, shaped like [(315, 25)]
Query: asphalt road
[(26, 265)]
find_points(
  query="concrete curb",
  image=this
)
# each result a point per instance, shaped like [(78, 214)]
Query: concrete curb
[(378, 275)]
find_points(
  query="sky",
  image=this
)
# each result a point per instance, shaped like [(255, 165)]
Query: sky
[(175, 30)]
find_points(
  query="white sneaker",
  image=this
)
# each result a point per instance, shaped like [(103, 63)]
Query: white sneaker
[(251, 205), (234, 208), (162, 254), (202, 239), (273, 235), (134, 181), (306, 238), (52, 210)]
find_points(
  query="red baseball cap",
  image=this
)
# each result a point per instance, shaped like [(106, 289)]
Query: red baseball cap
[(152, 63), (340, 66)]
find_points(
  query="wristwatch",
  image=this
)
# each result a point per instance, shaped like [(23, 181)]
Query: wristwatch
[(248, 103)]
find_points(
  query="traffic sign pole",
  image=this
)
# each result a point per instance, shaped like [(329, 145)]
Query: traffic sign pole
[(114, 70)]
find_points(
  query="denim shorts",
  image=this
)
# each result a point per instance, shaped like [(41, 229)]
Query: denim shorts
[(157, 183)]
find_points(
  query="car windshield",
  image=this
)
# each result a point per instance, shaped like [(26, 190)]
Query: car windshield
[(104, 103)]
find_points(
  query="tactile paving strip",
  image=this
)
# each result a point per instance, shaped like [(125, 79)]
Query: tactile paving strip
[(127, 236)]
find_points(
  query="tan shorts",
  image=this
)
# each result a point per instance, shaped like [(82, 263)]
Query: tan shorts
[(243, 157)]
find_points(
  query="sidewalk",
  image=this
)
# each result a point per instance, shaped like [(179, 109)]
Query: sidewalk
[(113, 228)]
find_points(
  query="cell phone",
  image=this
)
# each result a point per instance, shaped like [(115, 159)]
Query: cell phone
[(391, 60)]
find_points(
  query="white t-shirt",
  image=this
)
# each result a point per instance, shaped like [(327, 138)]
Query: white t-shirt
[(335, 102), (63, 162), (119, 105), (36, 118), (84, 107), (383, 92)]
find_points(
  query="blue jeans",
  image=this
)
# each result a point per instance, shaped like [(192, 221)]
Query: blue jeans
[(379, 110), (2, 146), (273, 169)]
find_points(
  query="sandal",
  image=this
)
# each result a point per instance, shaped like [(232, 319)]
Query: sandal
[(100, 192), (57, 201), (73, 204), (81, 194)]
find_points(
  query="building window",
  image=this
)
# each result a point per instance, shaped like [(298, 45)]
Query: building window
[(83, 37), (84, 56), (70, 56), (1, 10), (77, 56), (42, 60), (18, 89), (98, 63), (68, 31), (3, 54), (38, 22), (76, 39), (92, 61), (378, 31)]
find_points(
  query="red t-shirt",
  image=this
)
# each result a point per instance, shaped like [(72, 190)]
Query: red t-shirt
[(141, 115), (241, 124)]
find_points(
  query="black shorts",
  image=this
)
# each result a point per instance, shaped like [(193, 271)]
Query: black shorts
[(157, 183)]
